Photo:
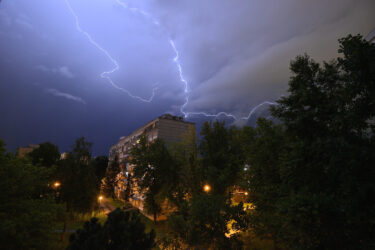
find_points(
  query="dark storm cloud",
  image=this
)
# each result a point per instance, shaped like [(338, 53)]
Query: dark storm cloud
[(234, 55)]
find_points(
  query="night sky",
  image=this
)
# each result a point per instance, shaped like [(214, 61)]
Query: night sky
[(126, 62)]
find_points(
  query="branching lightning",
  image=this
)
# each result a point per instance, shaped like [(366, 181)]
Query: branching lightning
[(106, 74), (176, 60)]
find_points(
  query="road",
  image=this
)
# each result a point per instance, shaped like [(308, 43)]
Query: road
[(106, 206)]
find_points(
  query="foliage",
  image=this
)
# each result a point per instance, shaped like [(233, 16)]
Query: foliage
[(312, 179), (46, 155), (26, 215), (221, 153), (91, 236), (75, 174), (187, 177), (206, 225), (79, 189), (129, 186), (201, 220), (153, 170), (110, 180), (100, 164), (122, 230)]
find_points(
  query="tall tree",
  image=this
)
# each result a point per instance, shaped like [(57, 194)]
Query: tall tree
[(153, 170), (46, 155), (186, 178), (79, 188), (312, 182), (221, 153), (27, 214), (202, 218), (129, 187), (110, 181), (122, 230), (100, 164)]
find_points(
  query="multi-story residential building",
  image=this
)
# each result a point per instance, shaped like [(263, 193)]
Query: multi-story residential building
[(23, 151), (371, 36), (170, 129)]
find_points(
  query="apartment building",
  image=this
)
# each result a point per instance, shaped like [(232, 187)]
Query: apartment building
[(23, 151), (169, 128)]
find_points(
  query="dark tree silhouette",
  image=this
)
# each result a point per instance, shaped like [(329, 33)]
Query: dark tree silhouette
[(122, 230)]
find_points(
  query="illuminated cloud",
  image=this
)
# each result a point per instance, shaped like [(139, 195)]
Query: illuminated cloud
[(62, 71), (234, 55), (56, 92)]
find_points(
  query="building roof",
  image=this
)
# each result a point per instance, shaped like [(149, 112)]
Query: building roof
[(371, 36), (141, 129)]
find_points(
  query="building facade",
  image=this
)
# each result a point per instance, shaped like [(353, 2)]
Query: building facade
[(23, 151), (371, 37), (171, 129)]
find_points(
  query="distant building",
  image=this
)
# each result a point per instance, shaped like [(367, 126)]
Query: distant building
[(23, 151), (63, 156), (371, 36), (169, 128)]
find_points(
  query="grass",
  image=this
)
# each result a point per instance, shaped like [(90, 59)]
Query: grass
[(116, 203), (253, 242), (161, 228), (74, 224)]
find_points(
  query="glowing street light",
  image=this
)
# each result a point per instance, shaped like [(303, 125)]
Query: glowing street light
[(207, 188), (56, 184), (246, 193), (100, 198)]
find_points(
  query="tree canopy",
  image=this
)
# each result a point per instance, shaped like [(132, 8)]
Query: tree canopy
[(122, 230), (153, 170), (46, 155), (27, 212), (311, 178), (79, 189)]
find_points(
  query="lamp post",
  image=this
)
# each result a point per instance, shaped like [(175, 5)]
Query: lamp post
[(100, 198), (56, 186), (207, 188)]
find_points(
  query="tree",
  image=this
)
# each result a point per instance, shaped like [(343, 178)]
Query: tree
[(202, 218), (264, 147), (79, 188), (27, 215), (221, 153), (100, 164), (153, 170), (312, 179), (110, 180), (90, 237), (122, 230), (129, 186), (46, 155)]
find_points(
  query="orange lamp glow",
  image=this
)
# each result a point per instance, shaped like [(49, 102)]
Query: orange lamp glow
[(207, 188)]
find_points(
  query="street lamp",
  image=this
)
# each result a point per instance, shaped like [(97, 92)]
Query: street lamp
[(207, 188), (56, 184), (100, 198)]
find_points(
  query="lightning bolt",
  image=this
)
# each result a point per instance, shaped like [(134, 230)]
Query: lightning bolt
[(106, 74), (176, 60)]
